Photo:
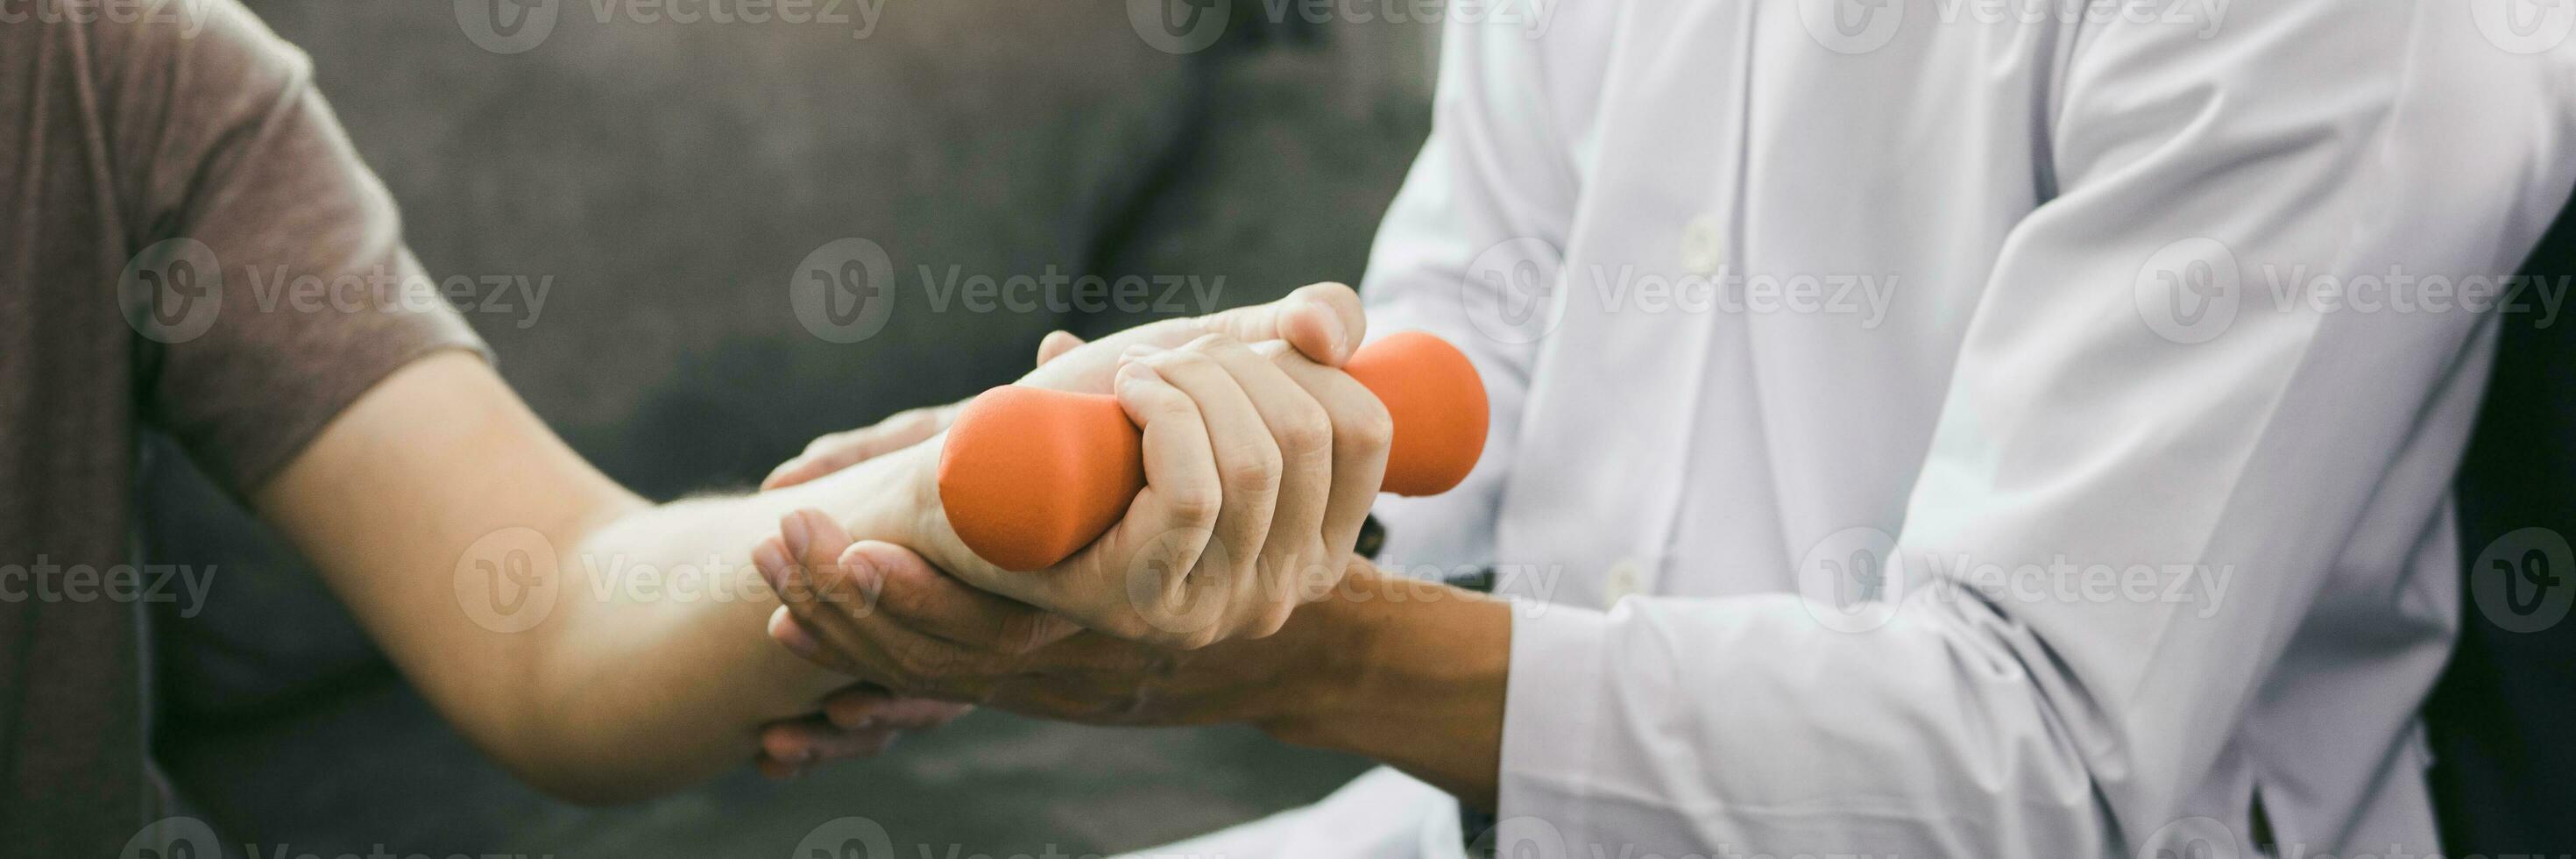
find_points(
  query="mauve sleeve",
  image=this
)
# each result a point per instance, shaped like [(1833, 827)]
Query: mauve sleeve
[(270, 282)]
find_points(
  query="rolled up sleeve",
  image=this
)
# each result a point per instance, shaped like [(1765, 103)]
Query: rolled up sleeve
[(286, 291)]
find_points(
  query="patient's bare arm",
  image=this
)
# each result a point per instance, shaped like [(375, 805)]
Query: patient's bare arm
[(506, 577), (602, 647)]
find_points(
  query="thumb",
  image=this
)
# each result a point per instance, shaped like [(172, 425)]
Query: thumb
[(1323, 321), (1055, 345)]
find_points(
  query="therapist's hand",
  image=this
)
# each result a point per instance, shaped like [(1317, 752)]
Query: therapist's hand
[(865, 719), (1260, 465), (880, 612), (861, 721), (1320, 323), (1410, 673)]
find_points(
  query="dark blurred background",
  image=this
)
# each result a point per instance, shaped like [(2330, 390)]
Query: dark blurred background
[(665, 182)]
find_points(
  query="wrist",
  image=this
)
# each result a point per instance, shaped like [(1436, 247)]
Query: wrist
[(1406, 672), (1385, 650), (893, 498), (1318, 662)]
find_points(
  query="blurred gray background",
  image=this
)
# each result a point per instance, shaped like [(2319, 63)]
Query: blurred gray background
[(670, 179)]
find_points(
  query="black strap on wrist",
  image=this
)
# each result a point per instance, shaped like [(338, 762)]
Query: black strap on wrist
[(1372, 538)]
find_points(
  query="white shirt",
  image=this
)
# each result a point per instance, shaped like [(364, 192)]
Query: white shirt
[(2160, 524)]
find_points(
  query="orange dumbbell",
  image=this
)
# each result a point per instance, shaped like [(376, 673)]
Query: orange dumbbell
[(1031, 475)]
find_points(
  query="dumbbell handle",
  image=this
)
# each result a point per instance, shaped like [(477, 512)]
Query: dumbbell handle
[(1029, 475)]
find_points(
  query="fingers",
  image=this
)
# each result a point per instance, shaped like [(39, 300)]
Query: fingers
[(1332, 328), (937, 605), (805, 609), (1055, 345), (820, 599), (906, 714), (861, 720), (1137, 568), (1248, 500), (1303, 433), (1323, 321), (841, 450), (856, 705), (792, 634), (1362, 435), (867, 705), (789, 748), (878, 631), (1249, 468)]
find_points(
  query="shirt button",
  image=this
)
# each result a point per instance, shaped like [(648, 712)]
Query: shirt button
[(1625, 580), (1703, 245)]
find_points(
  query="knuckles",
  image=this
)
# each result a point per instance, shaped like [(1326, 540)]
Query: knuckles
[(907, 598), (1273, 620), (1194, 507), (1366, 427), (1211, 343), (915, 665), (1020, 635), (1306, 434), (1253, 468), (1192, 358)]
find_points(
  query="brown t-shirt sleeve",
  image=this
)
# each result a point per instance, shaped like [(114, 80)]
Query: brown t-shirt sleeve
[(228, 159)]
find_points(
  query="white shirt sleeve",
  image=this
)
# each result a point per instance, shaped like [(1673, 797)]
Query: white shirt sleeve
[(2082, 428), (1488, 200)]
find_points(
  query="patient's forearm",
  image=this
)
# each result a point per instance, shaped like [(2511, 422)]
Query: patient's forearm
[(651, 675), (603, 648), (660, 674)]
